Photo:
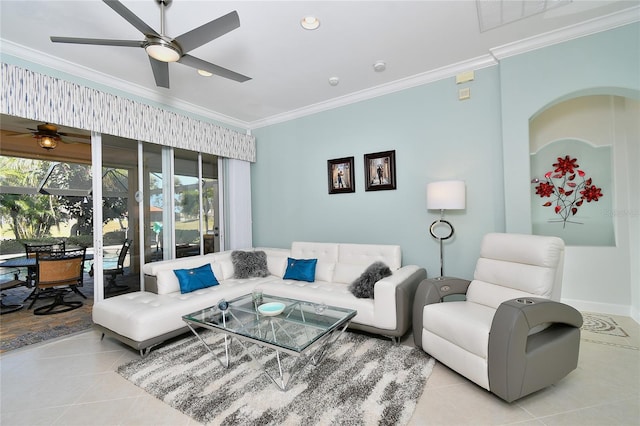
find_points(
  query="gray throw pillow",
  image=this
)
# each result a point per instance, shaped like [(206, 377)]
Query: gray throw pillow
[(247, 264), (362, 287)]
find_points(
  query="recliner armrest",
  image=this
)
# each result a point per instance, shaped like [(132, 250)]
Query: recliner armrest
[(433, 290), (521, 360), (535, 311)]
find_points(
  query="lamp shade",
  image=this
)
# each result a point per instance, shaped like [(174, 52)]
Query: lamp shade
[(446, 195)]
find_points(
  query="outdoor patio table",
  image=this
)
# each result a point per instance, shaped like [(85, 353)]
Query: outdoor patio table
[(25, 262)]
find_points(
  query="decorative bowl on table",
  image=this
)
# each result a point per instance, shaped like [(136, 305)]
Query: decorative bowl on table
[(271, 309)]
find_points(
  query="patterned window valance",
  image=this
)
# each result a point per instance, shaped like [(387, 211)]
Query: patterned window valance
[(44, 98)]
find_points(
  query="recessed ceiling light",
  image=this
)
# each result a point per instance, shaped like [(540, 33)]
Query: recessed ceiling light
[(204, 73), (310, 23)]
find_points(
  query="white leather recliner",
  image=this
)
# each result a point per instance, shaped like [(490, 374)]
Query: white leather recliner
[(511, 335)]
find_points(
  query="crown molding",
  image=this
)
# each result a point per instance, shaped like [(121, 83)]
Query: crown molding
[(75, 70), (383, 89), (592, 26)]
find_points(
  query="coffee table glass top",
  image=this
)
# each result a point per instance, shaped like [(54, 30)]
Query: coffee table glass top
[(298, 326)]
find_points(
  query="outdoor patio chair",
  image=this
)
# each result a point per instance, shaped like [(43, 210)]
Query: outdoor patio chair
[(58, 273), (32, 251), (112, 273), (7, 285)]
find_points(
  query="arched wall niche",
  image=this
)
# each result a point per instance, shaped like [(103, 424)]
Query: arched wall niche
[(572, 163)]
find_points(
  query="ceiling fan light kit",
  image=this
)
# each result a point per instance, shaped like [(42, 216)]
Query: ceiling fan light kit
[(47, 142), (48, 136), (162, 50)]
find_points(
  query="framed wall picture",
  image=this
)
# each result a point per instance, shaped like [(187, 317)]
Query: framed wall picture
[(341, 177), (380, 171)]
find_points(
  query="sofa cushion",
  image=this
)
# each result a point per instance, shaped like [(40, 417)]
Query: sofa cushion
[(301, 269), (363, 286), (276, 260), (346, 273), (522, 262), (465, 324), (195, 278), (326, 253), (152, 268), (365, 254), (247, 264), (225, 265)]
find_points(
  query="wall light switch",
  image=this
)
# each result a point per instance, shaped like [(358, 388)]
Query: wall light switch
[(464, 93)]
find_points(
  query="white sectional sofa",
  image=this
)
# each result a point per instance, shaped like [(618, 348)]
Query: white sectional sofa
[(145, 318)]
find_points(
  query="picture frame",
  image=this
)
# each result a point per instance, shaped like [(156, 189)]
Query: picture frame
[(341, 177), (380, 171)]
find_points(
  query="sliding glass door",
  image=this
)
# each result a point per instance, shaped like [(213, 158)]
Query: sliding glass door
[(120, 230)]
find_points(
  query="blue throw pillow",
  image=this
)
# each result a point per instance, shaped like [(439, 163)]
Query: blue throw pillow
[(301, 269), (196, 278)]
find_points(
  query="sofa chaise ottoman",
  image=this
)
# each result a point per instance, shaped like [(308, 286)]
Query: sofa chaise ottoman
[(146, 318)]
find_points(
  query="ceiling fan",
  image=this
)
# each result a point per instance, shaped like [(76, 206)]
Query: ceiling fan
[(163, 49), (48, 136)]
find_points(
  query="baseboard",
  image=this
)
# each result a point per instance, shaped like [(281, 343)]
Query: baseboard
[(602, 308)]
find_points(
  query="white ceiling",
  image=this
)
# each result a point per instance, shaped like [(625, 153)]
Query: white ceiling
[(420, 41)]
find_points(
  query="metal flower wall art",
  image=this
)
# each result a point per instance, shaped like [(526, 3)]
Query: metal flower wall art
[(568, 187)]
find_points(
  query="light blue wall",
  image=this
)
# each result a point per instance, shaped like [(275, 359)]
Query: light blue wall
[(435, 137), (483, 141)]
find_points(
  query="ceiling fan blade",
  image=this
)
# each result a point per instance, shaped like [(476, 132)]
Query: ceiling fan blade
[(160, 72), (207, 32), (74, 135), (214, 69), (97, 41), (130, 17)]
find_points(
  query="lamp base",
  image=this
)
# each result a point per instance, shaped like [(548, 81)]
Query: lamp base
[(441, 223)]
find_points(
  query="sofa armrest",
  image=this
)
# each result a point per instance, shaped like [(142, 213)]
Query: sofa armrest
[(150, 283), (396, 292), (433, 290), (533, 342)]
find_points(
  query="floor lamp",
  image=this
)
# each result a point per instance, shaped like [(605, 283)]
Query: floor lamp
[(444, 195)]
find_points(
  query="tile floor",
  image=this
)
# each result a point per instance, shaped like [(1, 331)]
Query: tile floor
[(72, 381)]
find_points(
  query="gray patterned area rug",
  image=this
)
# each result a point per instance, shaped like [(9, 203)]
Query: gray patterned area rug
[(602, 324), (362, 380)]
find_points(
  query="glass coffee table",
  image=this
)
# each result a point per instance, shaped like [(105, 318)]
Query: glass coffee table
[(302, 329)]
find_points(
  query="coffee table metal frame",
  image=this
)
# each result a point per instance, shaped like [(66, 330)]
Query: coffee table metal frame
[(322, 326)]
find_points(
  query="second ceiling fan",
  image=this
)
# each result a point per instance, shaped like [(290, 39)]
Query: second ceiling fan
[(163, 49)]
